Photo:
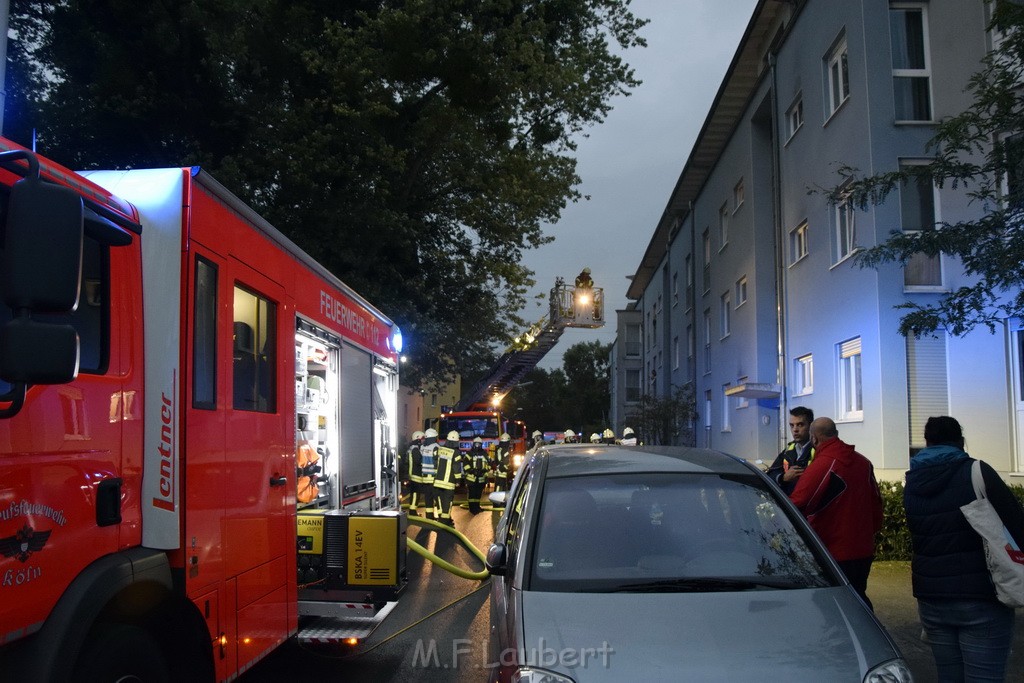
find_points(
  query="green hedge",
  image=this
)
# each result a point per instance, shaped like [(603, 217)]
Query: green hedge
[(894, 541)]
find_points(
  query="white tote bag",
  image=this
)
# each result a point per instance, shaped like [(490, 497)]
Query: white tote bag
[(1005, 560)]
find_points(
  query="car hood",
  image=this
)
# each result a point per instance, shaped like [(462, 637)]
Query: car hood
[(823, 634)]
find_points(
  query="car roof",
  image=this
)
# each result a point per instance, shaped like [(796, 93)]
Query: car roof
[(571, 460)]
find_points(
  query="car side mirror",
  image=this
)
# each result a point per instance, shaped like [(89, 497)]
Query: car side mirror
[(498, 498), (497, 559)]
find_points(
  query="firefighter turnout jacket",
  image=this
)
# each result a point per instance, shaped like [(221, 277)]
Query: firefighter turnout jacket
[(428, 461), (448, 467), (477, 465)]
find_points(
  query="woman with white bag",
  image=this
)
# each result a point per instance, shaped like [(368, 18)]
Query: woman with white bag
[(966, 625)]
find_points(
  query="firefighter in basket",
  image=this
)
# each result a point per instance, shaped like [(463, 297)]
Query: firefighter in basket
[(583, 280)]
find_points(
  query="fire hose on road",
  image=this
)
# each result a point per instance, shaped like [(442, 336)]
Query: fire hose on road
[(444, 564)]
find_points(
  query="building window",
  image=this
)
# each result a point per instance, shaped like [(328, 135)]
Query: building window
[(632, 386), (917, 213), (726, 315), (838, 76), (633, 340), (689, 280), (911, 73), (845, 229), (741, 291), (691, 342), (795, 116), (675, 353), (726, 413), (742, 401), (798, 243), (723, 226), (707, 409), (707, 261), (737, 195), (803, 375), (1013, 183), (654, 322), (675, 289), (851, 405), (707, 340)]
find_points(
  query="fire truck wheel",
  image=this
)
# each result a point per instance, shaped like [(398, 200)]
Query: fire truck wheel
[(121, 653)]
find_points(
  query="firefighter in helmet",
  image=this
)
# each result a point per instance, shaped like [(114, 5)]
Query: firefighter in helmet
[(536, 439), (607, 436), (570, 436), (583, 280), (449, 471), (595, 438), (502, 458), (426, 470), (628, 437), (411, 471), (476, 468)]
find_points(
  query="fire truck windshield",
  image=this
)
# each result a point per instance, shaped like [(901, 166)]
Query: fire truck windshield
[(470, 427)]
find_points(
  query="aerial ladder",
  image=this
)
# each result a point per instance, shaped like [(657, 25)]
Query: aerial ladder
[(579, 305)]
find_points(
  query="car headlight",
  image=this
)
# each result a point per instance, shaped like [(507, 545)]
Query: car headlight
[(529, 674), (895, 671)]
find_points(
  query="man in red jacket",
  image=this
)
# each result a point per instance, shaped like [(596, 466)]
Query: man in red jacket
[(839, 496)]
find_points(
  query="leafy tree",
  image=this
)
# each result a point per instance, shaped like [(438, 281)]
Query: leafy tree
[(414, 148), (587, 370), (666, 420), (574, 396), (539, 400), (982, 151)]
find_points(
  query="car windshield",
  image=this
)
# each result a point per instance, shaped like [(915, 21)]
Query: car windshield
[(667, 533)]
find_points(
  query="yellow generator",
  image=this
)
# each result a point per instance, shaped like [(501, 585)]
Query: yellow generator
[(351, 555)]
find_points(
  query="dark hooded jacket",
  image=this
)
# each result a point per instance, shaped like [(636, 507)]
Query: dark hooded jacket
[(949, 560)]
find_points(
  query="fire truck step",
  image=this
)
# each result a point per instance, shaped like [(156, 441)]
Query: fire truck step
[(331, 630)]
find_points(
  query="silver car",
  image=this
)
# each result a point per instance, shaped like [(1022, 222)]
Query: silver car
[(616, 563)]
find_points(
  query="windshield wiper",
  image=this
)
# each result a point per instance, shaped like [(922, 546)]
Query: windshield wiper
[(701, 584)]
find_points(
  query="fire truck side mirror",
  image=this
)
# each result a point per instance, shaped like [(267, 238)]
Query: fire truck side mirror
[(32, 352), (41, 254)]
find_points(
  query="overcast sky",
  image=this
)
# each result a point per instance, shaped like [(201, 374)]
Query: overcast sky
[(630, 163)]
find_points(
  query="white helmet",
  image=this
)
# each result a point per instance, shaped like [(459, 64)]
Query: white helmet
[(452, 436), (505, 436), (537, 434), (417, 435), (595, 437), (569, 433), (608, 434), (476, 440), (430, 433), (627, 432)]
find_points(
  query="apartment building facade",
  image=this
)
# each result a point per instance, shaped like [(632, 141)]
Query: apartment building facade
[(748, 288)]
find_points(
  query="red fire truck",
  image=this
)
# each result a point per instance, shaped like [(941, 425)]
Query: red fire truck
[(196, 427)]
